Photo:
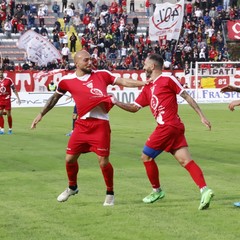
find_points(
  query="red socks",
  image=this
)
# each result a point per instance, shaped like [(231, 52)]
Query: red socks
[(72, 171), (10, 121), (152, 173), (107, 172), (1, 122), (196, 174)]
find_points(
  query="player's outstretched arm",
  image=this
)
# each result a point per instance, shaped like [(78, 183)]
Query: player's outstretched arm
[(129, 82), (230, 88), (48, 106), (196, 108), (129, 107), (233, 104)]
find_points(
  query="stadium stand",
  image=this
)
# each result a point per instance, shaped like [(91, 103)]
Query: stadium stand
[(204, 32)]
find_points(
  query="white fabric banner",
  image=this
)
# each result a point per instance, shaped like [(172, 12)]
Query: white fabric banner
[(38, 49), (166, 21)]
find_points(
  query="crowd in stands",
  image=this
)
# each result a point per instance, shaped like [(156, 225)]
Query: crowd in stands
[(114, 40)]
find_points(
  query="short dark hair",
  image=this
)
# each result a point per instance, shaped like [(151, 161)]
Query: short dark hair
[(157, 58)]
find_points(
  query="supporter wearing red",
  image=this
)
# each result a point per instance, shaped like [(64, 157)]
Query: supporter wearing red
[(147, 7), (189, 9), (113, 9), (6, 85), (86, 21), (11, 5), (20, 27), (212, 54), (14, 23), (2, 16)]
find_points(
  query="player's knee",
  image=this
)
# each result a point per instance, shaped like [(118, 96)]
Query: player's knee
[(103, 161), (71, 158)]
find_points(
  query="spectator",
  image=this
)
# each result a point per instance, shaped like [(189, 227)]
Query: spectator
[(44, 6), (65, 53), (64, 4), (81, 10), (20, 27), (66, 20), (52, 86), (132, 6), (135, 22), (14, 23), (147, 7), (33, 9), (72, 6), (8, 29), (31, 21), (77, 23), (56, 9), (56, 41), (44, 30), (41, 15), (73, 40)]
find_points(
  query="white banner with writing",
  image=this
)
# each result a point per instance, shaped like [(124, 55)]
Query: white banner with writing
[(166, 21)]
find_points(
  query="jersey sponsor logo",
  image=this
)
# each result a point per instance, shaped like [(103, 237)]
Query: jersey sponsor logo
[(96, 91)]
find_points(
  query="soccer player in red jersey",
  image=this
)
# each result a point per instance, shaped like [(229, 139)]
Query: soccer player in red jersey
[(6, 84), (92, 129), (231, 107), (160, 96)]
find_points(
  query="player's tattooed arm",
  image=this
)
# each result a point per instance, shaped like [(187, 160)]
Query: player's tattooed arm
[(51, 102)]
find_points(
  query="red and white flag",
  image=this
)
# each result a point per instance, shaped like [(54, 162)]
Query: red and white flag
[(166, 21), (233, 29)]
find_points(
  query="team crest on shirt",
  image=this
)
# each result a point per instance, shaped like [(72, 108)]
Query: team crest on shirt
[(89, 84)]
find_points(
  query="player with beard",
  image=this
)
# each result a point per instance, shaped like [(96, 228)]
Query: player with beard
[(92, 129), (160, 96)]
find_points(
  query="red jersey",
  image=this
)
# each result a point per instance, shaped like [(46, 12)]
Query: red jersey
[(160, 96), (88, 91), (86, 20), (189, 8), (5, 89)]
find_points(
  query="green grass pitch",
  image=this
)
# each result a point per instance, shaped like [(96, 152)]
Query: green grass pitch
[(32, 174)]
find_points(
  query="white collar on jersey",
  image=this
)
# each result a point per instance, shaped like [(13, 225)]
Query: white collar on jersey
[(83, 78)]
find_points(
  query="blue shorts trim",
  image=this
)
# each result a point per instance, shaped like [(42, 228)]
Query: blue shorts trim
[(151, 152), (75, 109)]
